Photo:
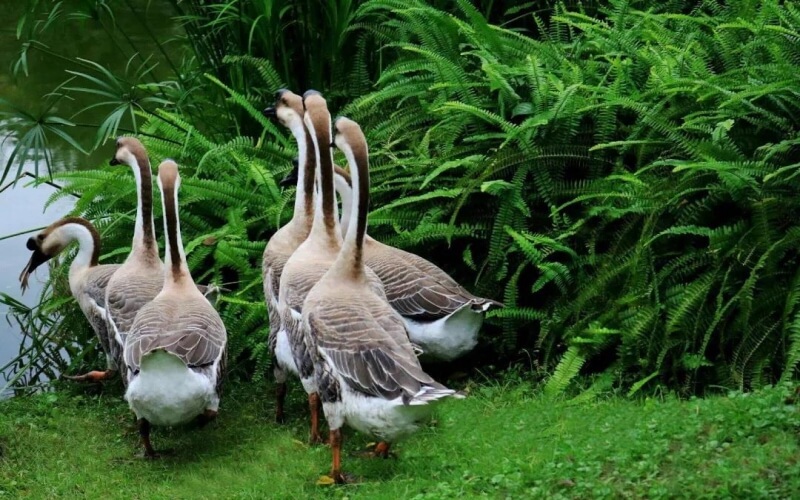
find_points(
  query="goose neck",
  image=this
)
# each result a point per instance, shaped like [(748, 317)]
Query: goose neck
[(304, 197), (326, 217), (144, 235), (351, 258), (176, 271), (88, 245)]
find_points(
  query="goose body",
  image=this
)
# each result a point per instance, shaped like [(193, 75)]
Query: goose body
[(310, 261), (366, 369), (288, 110), (175, 352), (87, 279), (141, 277), (441, 316)]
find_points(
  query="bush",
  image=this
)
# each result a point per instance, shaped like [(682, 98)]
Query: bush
[(622, 177)]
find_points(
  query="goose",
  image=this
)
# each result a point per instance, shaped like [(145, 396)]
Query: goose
[(288, 110), (441, 317), (366, 370), (175, 352), (87, 278), (311, 259), (140, 278)]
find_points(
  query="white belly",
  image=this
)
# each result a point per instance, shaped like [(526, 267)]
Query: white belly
[(388, 420), (167, 392), (448, 338), (283, 352)]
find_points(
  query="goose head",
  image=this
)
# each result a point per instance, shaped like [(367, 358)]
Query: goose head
[(349, 138), (47, 244), (287, 110), (130, 151)]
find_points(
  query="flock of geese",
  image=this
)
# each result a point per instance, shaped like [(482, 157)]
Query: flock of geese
[(349, 316)]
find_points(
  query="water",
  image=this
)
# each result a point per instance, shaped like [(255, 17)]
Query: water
[(21, 207)]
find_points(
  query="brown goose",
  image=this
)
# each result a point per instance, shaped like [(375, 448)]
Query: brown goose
[(313, 257), (367, 372), (87, 279), (288, 110), (441, 316), (175, 351), (141, 276)]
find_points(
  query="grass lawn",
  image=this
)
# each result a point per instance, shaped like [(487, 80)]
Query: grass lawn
[(501, 442)]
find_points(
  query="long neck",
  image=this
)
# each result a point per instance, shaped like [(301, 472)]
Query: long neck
[(304, 197), (326, 217), (176, 270), (144, 235), (350, 259), (88, 245), (346, 196)]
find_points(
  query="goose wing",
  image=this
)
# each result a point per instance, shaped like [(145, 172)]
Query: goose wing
[(189, 329), (417, 288), (93, 303), (368, 348), (127, 295), (96, 282)]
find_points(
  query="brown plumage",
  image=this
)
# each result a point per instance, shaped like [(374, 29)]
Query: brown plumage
[(288, 110), (87, 279), (175, 351), (367, 372), (312, 258)]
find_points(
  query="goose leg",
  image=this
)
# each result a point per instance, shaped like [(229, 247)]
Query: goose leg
[(144, 433), (336, 447), (92, 376), (314, 406), (204, 418), (280, 398)]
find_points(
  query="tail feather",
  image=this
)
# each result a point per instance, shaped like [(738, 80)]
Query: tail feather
[(483, 305), (428, 394)]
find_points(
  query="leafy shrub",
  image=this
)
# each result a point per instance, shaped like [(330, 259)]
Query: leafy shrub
[(623, 178)]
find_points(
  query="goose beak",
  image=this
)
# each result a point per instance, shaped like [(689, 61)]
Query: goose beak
[(31, 244), (113, 161), (292, 176), (37, 259), (270, 112)]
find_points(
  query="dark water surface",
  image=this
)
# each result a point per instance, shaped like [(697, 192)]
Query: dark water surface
[(22, 208)]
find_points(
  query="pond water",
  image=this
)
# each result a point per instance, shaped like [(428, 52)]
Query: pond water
[(21, 206)]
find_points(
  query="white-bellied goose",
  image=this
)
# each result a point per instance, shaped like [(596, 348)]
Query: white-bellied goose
[(175, 351), (312, 258), (441, 316), (141, 276), (87, 278), (368, 375), (288, 110)]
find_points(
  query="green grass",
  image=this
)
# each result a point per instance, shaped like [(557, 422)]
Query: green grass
[(502, 441)]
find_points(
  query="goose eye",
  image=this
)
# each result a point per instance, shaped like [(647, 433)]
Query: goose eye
[(40, 237)]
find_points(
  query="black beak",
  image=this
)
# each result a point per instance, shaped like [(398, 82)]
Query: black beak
[(291, 177), (31, 244), (113, 161), (270, 112), (37, 259)]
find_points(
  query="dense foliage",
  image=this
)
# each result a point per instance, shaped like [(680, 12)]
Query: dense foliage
[(623, 179)]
